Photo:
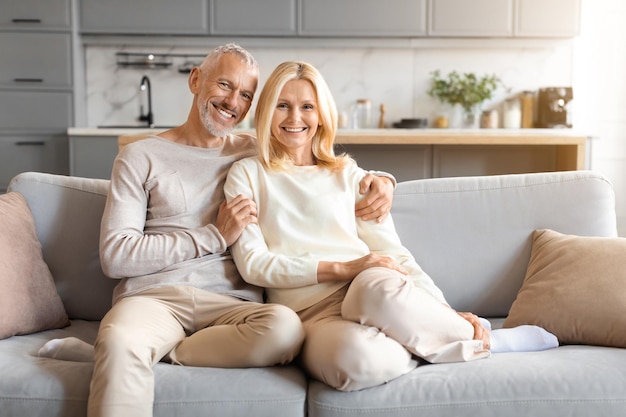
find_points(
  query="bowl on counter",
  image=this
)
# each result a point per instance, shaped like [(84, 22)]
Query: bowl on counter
[(419, 123)]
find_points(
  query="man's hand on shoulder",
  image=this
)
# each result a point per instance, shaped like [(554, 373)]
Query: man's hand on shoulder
[(378, 198)]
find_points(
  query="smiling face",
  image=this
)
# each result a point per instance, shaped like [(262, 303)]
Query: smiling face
[(224, 93), (295, 120)]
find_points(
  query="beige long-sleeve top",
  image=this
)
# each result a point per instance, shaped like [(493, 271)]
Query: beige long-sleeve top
[(158, 223)]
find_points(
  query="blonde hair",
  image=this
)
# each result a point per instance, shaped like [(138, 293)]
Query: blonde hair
[(271, 153)]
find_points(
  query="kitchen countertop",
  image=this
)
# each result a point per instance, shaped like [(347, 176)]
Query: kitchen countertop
[(405, 136)]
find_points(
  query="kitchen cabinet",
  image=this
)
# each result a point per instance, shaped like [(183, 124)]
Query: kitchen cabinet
[(32, 152), (367, 18), (458, 18), (504, 18), (34, 59), (253, 18), (405, 153), (181, 17), (35, 14), (36, 87), (91, 156), (547, 18), (35, 110)]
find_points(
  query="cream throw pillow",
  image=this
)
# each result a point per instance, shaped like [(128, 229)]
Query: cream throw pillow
[(29, 301), (575, 288)]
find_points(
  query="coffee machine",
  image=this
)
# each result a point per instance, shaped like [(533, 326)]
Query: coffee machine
[(554, 107)]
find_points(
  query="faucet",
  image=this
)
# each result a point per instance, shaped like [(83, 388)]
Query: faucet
[(148, 118)]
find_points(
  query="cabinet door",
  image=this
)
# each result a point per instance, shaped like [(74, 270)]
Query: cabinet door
[(362, 18), (35, 14), (144, 16), (261, 17), (92, 156), (404, 162), (471, 18), (547, 18), (35, 111), (35, 59), (470, 160), (42, 153)]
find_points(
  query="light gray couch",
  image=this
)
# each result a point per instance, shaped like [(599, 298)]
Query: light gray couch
[(471, 234)]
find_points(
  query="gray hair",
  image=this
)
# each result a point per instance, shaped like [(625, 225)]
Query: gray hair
[(229, 48)]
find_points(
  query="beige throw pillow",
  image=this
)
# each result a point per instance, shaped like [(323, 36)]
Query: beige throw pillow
[(29, 301), (575, 287)]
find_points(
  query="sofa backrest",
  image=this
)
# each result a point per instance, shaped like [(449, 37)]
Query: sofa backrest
[(472, 235), (67, 213)]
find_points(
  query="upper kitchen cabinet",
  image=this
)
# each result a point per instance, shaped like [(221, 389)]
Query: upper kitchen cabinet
[(362, 18), (35, 14), (35, 60), (156, 17), (547, 18), (36, 87), (253, 18), (469, 18), (504, 18)]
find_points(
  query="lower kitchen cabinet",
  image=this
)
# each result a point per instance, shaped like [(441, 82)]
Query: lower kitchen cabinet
[(92, 156), (404, 162), (32, 152)]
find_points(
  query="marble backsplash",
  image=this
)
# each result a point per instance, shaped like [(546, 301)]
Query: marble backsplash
[(397, 77)]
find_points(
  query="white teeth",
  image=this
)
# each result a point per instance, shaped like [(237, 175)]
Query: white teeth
[(294, 129), (223, 113)]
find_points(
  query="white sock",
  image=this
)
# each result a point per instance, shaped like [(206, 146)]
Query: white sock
[(67, 349), (525, 338)]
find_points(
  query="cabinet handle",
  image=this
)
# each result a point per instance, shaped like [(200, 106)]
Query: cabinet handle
[(30, 143), (26, 20), (28, 80)]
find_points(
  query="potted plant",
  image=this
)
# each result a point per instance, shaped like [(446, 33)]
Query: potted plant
[(466, 90)]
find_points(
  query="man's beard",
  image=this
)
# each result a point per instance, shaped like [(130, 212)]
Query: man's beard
[(209, 124)]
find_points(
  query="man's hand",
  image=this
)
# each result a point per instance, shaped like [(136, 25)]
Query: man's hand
[(377, 203), (233, 217)]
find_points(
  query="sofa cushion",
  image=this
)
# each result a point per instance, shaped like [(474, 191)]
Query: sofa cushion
[(29, 301), (575, 287), (32, 386), (67, 212), (566, 381)]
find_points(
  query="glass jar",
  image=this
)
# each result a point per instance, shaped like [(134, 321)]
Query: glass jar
[(363, 114), (512, 116), (489, 119)]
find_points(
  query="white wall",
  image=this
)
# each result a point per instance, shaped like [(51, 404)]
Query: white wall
[(600, 89), (395, 74)]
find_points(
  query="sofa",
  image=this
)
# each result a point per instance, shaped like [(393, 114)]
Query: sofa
[(474, 235)]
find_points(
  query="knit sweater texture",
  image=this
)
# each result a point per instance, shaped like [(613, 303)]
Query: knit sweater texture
[(158, 227), (306, 215)]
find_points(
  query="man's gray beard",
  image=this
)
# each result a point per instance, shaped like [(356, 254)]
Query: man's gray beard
[(208, 124)]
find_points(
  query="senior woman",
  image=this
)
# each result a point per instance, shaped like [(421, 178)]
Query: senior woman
[(367, 307)]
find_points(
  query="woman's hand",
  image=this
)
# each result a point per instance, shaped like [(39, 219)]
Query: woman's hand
[(480, 332), (345, 271), (377, 202), (233, 217)]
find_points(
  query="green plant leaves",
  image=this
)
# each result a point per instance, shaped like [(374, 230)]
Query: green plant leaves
[(466, 89)]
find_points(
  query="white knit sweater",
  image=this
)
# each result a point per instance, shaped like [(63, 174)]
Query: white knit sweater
[(306, 215)]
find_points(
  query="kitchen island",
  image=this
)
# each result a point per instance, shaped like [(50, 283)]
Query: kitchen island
[(406, 153)]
